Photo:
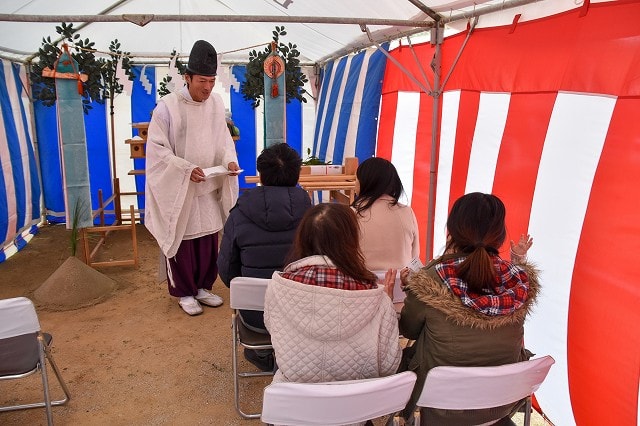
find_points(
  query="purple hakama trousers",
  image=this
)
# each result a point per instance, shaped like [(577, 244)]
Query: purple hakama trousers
[(194, 266)]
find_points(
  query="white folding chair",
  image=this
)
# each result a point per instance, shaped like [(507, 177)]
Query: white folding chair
[(473, 388), (336, 403), (24, 350), (246, 293)]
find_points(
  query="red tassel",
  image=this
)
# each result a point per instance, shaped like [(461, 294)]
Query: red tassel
[(274, 90), (80, 88)]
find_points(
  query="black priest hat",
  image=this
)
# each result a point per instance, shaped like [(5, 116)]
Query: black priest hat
[(203, 59)]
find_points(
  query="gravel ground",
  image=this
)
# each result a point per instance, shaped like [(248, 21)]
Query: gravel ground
[(133, 358)]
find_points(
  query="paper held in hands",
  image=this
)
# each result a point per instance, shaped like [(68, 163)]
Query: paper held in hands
[(218, 171), (415, 265)]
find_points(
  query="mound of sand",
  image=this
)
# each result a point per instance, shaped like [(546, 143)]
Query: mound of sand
[(74, 285)]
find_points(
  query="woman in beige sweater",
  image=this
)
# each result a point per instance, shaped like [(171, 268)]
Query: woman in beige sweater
[(388, 229)]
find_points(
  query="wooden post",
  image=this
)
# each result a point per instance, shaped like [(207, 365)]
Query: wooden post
[(350, 165), (116, 201)]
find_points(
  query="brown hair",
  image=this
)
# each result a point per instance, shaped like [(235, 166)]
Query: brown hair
[(332, 230), (476, 228)]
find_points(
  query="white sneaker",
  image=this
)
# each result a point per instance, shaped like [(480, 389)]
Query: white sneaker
[(190, 305), (207, 298)]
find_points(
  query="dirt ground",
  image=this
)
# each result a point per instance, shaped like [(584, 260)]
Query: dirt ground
[(133, 358)]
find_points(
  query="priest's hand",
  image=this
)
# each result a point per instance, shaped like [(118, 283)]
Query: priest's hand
[(197, 175), (233, 167)]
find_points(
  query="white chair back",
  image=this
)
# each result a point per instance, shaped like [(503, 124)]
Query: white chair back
[(398, 294), (248, 293), (336, 403), (17, 317), (470, 388)]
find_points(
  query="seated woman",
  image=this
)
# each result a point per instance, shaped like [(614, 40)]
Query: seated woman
[(467, 308), (327, 317), (388, 229)]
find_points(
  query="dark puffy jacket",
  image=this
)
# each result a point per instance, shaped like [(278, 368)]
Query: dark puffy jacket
[(260, 230)]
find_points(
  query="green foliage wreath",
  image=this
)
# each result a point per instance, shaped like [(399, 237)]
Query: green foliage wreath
[(253, 87), (102, 82)]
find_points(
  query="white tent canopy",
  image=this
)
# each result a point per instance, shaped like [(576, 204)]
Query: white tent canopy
[(178, 24), (542, 112)]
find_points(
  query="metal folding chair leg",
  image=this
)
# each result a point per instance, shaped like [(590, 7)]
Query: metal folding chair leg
[(236, 342), (44, 354)]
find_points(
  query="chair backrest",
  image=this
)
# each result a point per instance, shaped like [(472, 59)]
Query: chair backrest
[(336, 403), (17, 317), (248, 293), (458, 388), (398, 294)]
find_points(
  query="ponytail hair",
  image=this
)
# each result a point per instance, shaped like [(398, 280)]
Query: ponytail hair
[(476, 227)]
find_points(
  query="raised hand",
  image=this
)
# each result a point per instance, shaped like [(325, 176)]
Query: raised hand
[(519, 249), (390, 281)]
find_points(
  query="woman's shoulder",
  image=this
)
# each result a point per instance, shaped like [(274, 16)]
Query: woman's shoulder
[(388, 203)]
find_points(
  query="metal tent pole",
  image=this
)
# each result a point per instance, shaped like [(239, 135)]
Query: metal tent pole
[(437, 35)]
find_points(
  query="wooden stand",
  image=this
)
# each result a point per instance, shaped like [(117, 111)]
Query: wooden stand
[(137, 149), (341, 187), (104, 230)]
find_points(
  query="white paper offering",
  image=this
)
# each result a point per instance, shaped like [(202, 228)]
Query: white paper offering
[(218, 171)]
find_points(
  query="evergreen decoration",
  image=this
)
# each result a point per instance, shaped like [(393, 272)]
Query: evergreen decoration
[(312, 160), (102, 82), (182, 68), (113, 87), (253, 87)]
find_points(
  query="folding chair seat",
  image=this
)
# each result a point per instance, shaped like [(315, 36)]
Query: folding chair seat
[(246, 293), (24, 350), (473, 388), (336, 403)]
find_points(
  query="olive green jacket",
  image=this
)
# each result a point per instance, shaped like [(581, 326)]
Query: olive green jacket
[(448, 333)]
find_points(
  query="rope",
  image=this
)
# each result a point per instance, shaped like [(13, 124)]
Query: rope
[(123, 55)]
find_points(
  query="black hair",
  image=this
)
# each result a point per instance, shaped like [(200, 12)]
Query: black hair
[(377, 177), (279, 165)]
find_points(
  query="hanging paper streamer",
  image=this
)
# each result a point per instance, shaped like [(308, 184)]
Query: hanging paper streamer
[(226, 78), (274, 99), (145, 81), (177, 81), (123, 78), (233, 81)]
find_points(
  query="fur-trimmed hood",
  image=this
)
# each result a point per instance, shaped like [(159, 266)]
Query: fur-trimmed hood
[(430, 290)]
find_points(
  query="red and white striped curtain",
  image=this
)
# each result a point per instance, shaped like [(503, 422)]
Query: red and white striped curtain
[(546, 116)]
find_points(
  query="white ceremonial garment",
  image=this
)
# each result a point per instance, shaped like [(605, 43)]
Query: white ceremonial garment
[(183, 135)]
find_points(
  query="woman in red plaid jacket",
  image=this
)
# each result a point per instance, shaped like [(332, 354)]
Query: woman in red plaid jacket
[(467, 308)]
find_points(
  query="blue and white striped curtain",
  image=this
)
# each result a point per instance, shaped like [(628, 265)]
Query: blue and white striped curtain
[(348, 106), (20, 191), (19, 182)]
